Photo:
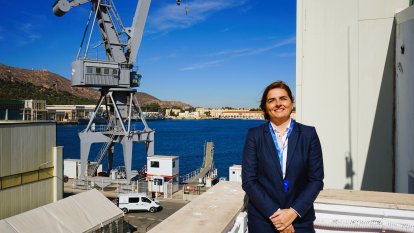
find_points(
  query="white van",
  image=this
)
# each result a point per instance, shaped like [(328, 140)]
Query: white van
[(137, 201)]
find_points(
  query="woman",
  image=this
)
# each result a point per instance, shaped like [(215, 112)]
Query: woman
[(282, 168)]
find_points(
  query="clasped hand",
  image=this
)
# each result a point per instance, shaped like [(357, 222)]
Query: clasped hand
[(282, 220)]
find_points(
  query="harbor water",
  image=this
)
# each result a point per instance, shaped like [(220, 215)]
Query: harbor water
[(173, 137)]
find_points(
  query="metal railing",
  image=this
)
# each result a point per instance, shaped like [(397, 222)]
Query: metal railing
[(190, 175)]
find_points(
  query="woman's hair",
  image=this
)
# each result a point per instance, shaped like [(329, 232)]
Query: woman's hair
[(277, 84)]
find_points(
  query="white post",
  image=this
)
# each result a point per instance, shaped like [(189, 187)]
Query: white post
[(57, 173), (7, 114)]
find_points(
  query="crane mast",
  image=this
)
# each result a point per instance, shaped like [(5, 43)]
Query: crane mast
[(115, 77)]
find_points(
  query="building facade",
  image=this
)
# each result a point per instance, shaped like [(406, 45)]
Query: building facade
[(71, 112), (35, 110), (243, 115), (11, 109)]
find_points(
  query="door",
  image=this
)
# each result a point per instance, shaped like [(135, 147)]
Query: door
[(134, 203), (145, 203)]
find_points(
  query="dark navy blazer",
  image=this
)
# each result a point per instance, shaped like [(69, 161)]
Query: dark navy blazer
[(262, 178)]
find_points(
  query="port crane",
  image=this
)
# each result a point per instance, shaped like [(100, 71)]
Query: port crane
[(116, 78)]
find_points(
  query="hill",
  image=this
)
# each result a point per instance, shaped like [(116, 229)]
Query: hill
[(46, 79), (145, 99), (17, 90), (42, 80)]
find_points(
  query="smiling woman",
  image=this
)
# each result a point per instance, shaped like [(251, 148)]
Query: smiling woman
[(282, 167)]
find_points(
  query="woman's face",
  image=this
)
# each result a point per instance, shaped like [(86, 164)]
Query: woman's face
[(278, 104)]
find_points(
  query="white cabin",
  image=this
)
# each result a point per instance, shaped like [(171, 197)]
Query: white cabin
[(161, 169), (235, 173)]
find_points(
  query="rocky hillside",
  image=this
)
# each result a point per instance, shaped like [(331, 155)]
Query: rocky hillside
[(145, 98), (46, 79), (56, 82)]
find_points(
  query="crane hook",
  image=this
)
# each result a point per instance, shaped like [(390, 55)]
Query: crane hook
[(178, 2)]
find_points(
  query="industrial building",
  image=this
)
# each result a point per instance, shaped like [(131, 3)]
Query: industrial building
[(71, 112), (31, 166), (11, 109)]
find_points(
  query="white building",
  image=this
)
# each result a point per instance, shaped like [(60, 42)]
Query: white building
[(243, 114), (162, 169), (235, 173)]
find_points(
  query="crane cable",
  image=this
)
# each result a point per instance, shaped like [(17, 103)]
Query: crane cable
[(186, 6)]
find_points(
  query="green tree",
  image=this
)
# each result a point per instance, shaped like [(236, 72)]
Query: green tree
[(207, 113)]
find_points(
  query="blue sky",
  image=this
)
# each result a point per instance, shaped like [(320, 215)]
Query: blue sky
[(223, 53)]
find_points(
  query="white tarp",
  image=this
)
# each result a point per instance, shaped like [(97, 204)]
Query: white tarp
[(5, 227), (97, 205), (36, 221), (83, 212)]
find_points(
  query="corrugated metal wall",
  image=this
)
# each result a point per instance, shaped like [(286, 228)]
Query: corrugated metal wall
[(23, 147), (25, 197)]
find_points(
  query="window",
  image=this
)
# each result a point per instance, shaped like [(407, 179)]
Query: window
[(98, 70), (115, 72), (133, 199), (173, 164), (30, 177), (106, 71), (10, 181), (45, 173), (144, 199), (155, 164), (89, 70)]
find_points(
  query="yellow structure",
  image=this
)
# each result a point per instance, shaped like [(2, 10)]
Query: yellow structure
[(34, 110), (71, 112)]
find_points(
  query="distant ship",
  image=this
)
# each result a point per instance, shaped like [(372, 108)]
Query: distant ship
[(188, 118), (98, 120), (219, 118), (147, 118)]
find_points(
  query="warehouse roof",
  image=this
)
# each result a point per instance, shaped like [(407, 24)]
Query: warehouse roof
[(83, 212)]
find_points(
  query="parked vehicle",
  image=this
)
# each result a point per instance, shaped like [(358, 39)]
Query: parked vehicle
[(137, 201)]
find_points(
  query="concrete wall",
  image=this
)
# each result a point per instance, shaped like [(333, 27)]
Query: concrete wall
[(345, 87), (404, 133)]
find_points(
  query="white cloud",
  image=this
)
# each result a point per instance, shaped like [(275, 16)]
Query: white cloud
[(29, 34), (261, 50), (202, 65), (42, 17), (174, 17), (238, 53), (225, 30), (163, 34), (226, 52), (285, 54)]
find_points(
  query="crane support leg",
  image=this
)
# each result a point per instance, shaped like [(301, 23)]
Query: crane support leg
[(110, 157), (127, 147), (85, 147), (149, 145)]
